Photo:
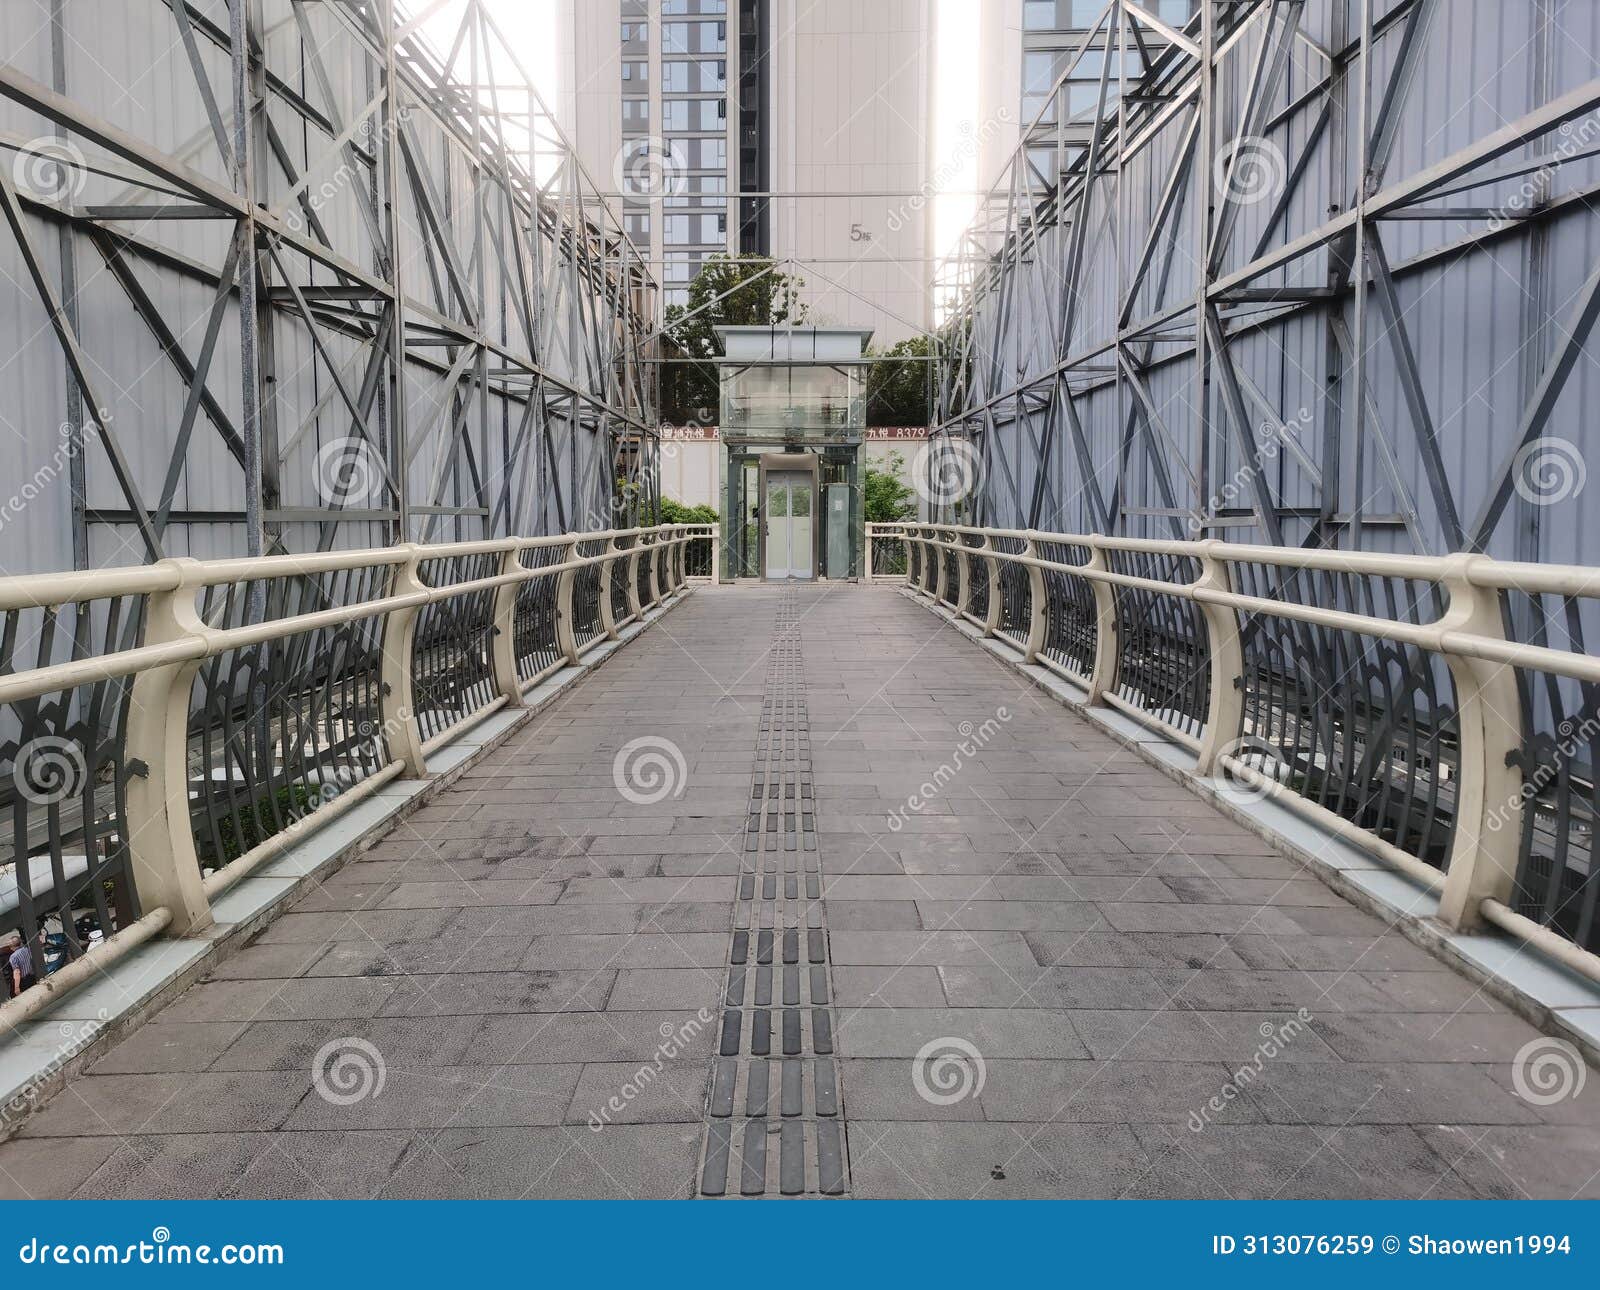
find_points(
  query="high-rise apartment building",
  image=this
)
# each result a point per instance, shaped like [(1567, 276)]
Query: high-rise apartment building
[(797, 129), (1024, 48)]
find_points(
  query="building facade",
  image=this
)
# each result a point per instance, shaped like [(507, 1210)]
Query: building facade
[(796, 129)]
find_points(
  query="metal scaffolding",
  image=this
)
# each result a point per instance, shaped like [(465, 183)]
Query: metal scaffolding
[(315, 286), (1312, 272)]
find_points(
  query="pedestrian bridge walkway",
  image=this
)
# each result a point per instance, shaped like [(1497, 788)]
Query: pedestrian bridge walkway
[(804, 891)]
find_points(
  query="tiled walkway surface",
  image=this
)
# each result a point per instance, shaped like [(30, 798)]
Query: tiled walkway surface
[(1113, 990)]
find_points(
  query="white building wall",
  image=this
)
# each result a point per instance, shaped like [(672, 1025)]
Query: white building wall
[(851, 120)]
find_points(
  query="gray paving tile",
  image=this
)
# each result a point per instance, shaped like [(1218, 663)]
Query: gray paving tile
[(643, 950), (160, 1045), (1124, 949), (1177, 1034), (902, 1032), (50, 1168), (1284, 1162), (170, 1103), (894, 949), (998, 1161), (1521, 1163), (647, 988), (446, 1097), (988, 986), (613, 1093), (888, 987), (588, 1037), (622, 1161)]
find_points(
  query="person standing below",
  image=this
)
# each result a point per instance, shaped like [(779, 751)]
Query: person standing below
[(19, 967)]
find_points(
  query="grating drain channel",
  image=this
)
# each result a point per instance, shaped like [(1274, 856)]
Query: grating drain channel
[(774, 1114)]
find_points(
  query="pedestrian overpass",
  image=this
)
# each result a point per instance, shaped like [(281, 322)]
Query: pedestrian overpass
[(1032, 865)]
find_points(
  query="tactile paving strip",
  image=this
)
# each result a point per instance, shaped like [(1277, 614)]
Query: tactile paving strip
[(774, 1114)]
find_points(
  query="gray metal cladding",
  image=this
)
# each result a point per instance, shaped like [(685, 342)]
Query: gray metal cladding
[(520, 367), (1387, 409)]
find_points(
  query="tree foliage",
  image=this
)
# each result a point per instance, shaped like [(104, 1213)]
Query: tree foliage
[(673, 512), (897, 391), (750, 298), (886, 498)]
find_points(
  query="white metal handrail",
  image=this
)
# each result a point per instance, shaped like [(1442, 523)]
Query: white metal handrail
[(1478, 878), (173, 895)]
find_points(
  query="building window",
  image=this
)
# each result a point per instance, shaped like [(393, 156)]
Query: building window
[(675, 77), (675, 230), (675, 114), (636, 71), (694, 37), (1039, 15), (635, 112)]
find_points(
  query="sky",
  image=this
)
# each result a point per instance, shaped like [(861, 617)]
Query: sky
[(530, 26)]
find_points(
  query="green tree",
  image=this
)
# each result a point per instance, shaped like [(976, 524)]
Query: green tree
[(675, 512), (749, 298), (886, 497), (898, 383)]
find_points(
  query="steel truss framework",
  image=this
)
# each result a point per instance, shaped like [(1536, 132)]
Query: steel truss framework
[(315, 285), (1322, 273)]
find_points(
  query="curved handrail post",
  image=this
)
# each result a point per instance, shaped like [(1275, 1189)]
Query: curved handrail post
[(397, 693), (1039, 604), (161, 850), (504, 635), (1225, 712), (566, 631), (991, 621), (608, 616), (655, 571), (1487, 842), (963, 578), (635, 609), (1103, 676)]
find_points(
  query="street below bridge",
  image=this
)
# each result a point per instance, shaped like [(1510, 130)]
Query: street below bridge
[(803, 892)]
